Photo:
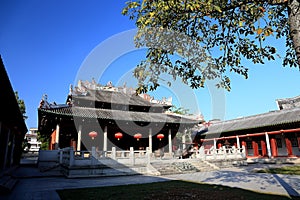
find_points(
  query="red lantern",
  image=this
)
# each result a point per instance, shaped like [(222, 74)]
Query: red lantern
[(137, 136), (118, 135), (160, 136), (93, 134)]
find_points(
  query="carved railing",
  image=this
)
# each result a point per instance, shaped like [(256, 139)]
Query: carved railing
[(221, 153), (69, 157)]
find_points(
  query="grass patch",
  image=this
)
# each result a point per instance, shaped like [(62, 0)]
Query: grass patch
[(165, 190), (291, 170)]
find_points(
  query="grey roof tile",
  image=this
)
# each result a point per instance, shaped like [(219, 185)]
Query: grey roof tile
[(86, 112), (261, 120)]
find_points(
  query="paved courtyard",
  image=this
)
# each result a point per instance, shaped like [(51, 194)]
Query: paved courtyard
[(35, 185)]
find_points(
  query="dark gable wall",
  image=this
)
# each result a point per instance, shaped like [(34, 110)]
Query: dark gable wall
[(11, 119)]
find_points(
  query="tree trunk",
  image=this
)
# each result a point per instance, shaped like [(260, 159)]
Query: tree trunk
[(294, 22)]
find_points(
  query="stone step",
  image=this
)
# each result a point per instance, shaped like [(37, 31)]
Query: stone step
[(166, 168), (51, 167), (180, 167), (7, 183), (203, 166)]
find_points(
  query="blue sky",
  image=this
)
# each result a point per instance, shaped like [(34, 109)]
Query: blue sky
[(44, 44)]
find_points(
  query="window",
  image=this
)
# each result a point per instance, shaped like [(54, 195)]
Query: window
[(249, 144), (294, 142), (279, 143)]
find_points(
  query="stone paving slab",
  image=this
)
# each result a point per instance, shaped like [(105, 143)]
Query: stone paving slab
[(279, 184), (45, 188), (35, 185)]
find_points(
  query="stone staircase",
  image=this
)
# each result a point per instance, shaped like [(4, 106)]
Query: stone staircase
[(182, 166), (7, 183), (203, 166)]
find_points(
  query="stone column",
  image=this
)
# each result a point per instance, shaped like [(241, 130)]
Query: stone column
[(79, 138), (268, 145), (170, 141), (150, 140), (131, 156), (215, 144), (57, 137), (105, 139), (238, 142), (113, 152), (183, 140)]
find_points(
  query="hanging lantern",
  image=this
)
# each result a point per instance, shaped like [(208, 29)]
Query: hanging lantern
[(137, 136), (160, 136), (118, 135), (93, 134)]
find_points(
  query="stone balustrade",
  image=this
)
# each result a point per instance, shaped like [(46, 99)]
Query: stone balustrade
[(222, 153)]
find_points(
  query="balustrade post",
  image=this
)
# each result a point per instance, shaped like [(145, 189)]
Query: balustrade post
[(202, 153), (71, 157), (148, 152), (243, 151), (113, 153), (224, 152), (131, 156), (215, 151), (60, 154), (234, 151)]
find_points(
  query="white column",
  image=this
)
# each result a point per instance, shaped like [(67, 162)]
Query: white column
[(148, 152), (238, 142), (268, 145), (150, 140), (105, 139), (215, 144), (170, 141), (131, 156), (183, 141), (113, 152), (57, 137), (79, 138)]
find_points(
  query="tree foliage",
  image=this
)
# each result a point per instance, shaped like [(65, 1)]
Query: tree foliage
[(211, 37), (21, 104), (180, 110), (44, 139)]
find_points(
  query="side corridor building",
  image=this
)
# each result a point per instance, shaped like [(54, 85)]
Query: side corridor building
[(272, 134)]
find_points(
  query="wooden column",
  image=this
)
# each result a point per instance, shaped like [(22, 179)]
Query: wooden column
[(289, 147), (57, 137), (255, 148), (274, 147), (105, 139), (298, 138), (6, 149), (170, 141), (79, 138), (268, 145), (263, 148)]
